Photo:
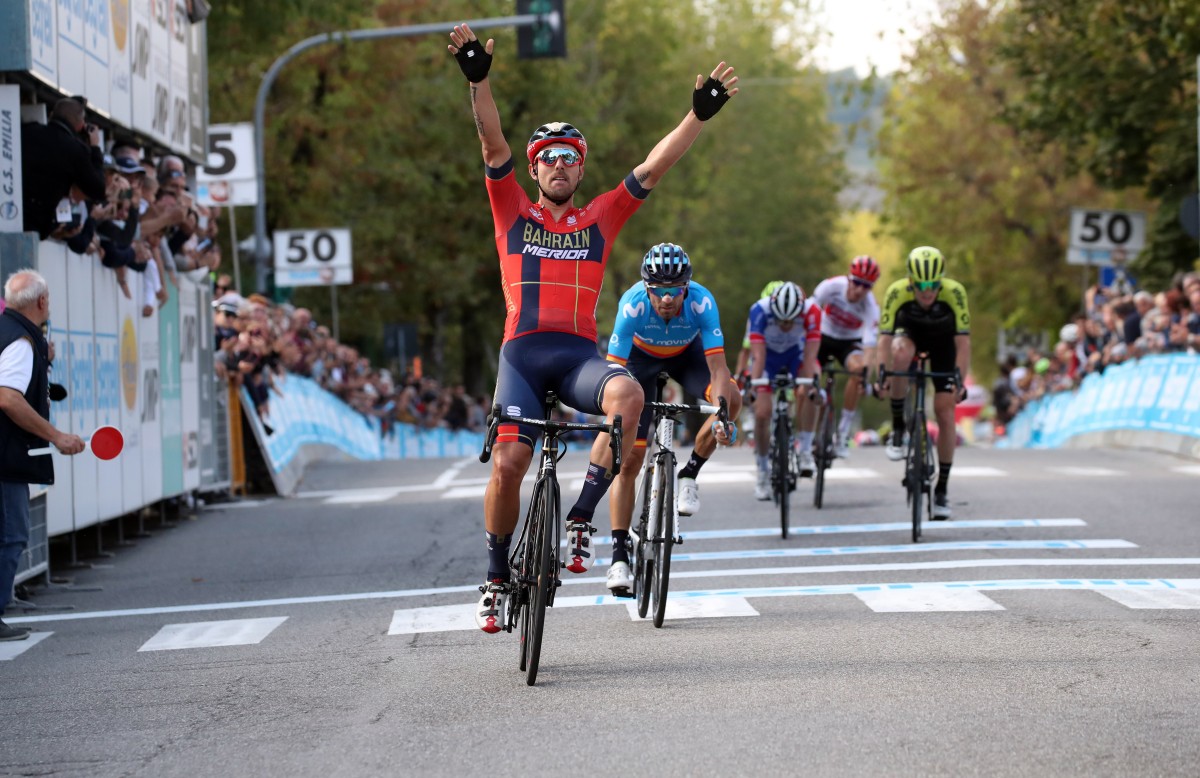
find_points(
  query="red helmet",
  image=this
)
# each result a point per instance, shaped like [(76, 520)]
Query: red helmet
[(555, 132), (864, 269)]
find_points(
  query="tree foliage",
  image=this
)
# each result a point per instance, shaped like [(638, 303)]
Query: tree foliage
[(1113, 84), (958, 177), (378, 136)]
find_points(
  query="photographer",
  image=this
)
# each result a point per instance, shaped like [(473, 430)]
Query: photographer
[(54, 156)]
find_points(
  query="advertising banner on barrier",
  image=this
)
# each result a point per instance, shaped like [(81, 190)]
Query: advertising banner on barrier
[(189, 384), (12, 218), (80, 353), (1155, 394), (171, 392), (107, 317)]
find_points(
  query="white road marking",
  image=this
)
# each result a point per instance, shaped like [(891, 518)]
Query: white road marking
[(967, 471), (11, 649), (208, 634), (442, 618), (364, 496), (599, 580), (1187, 469), (464, 492), (1086, 472), (905, 548), (1158, 598), (707, 608), (927, 600), (443, 480), (854, 529)]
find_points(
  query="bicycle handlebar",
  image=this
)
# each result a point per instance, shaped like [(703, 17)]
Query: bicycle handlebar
[(555, 428)]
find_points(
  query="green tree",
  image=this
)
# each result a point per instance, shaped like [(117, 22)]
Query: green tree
[(1114, 85)]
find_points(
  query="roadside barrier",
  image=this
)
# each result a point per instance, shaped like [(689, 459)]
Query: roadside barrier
[(1153, 403)]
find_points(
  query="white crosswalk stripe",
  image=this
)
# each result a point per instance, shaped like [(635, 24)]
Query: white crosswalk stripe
[(209, 634)]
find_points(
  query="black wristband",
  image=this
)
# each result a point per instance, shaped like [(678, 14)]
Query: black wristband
[(708, 99), (474, 61)]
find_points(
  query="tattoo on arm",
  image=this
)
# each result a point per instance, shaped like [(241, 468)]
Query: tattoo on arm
[(475, 113), (641, 177)]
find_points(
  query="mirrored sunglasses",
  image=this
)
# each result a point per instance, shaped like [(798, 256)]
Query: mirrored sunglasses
[(862, 283), (665, 291), (926, 286), (569, 157)]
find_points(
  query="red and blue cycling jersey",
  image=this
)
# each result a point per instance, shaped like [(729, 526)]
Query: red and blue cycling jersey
[(784, 346), (552, 271), (638, 325)]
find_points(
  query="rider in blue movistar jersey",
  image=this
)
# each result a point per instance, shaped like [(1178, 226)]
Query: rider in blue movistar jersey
[(668, 323)]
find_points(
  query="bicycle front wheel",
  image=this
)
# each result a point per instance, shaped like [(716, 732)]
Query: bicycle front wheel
[(824, 455), (914, 476), (781, 464), (643, 575), (665, 539), (544, 516)]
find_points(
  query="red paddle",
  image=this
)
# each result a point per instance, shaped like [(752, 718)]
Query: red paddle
[(106, 443)]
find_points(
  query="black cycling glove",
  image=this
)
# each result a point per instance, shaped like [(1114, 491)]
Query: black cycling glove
[(708, 99), (474, 61)]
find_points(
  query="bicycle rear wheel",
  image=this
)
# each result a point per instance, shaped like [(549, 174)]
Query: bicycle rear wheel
[(643, 574), (824, 454), (543, 514), (914, 476), (781, 461), (665, 537)]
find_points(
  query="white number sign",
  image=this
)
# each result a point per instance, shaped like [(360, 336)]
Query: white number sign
[(229, 176), (313, 257), (1105, 237)]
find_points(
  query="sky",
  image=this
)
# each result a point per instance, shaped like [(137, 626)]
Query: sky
[(870, 32)]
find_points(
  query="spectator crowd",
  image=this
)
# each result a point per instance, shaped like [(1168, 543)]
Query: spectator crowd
[(1116, 325)]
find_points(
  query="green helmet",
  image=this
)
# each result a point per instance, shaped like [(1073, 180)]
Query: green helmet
[(770, 288), (926, 265)]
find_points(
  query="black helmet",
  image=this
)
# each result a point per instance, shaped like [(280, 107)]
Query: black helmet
[(666, 265)]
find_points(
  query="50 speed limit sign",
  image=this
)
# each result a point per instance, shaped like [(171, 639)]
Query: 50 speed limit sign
[(1105, 237), (313, 257)]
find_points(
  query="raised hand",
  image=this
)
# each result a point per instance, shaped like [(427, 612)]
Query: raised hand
[(474, 59), (712, 93)]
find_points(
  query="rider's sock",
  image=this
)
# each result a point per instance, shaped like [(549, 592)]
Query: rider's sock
[(764, 464), (497, 546), (595, 484), (943, 477), (692, 468), (845, 423), (620, 551), (898, 418), (805, 439)]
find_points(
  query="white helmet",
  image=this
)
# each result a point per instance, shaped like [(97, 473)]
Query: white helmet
[(1069, 333), (787, 302)]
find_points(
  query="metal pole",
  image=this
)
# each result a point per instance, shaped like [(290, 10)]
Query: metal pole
[(261, 247), (333, 300), (237, 265)]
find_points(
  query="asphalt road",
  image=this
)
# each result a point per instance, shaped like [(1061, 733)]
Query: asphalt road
[(1050, 628)]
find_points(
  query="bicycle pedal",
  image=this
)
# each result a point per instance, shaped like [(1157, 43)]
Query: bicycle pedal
[(623, 593)]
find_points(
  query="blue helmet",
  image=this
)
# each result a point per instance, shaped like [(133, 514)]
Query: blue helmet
[(666, 265)]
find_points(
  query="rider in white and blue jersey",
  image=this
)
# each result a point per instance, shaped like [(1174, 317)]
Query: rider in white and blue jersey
[(668, 323)]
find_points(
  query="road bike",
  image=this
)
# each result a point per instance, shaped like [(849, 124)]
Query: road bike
[(824, 450), (919, 465), (535, 562), (785, 465), (657, 529)]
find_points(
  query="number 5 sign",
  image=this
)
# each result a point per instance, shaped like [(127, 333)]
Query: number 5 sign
[(1105, 238), (313, 258)]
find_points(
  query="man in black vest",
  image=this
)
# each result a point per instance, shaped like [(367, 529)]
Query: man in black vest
[(24, 421)]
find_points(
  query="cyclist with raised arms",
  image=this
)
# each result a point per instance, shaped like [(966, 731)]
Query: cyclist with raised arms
[(926, 313), (785, 334), (849, 329), (552, 260), (670, 323)]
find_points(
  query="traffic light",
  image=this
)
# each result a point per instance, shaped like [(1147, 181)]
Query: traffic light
[(543, 39)]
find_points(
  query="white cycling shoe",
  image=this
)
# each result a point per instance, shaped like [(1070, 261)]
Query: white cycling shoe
[(841, 450), (895, 449), (807, 464), (489, 614), (762, 489), (579, 546), (620, 580), (688, 500)]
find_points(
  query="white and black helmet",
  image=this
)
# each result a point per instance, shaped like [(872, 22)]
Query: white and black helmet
[(666, 265), (787, 302)]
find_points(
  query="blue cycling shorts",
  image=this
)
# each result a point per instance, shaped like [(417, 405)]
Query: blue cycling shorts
[(533, 364), (688, 367)]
